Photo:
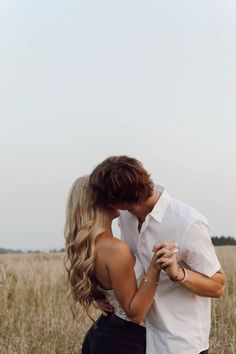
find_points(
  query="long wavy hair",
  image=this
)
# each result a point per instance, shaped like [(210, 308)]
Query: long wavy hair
[(84, 222)]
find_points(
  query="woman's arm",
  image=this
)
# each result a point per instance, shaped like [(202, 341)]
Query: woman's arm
[(135, 301)]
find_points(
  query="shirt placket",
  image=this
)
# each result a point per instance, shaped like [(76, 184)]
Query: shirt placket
[(142, 240)]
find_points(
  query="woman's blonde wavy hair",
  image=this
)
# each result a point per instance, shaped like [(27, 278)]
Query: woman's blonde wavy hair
[(84, 222)]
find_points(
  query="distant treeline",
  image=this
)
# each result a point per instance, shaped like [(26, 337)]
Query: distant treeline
[(8, 250), (223, 241), (216, 240)]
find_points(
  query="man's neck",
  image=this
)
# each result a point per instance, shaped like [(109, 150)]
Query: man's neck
[(147, 207)]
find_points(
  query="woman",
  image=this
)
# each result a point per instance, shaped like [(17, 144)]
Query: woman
[(99, 266)]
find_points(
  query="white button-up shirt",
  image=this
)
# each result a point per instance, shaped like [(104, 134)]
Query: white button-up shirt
[(178, 321)]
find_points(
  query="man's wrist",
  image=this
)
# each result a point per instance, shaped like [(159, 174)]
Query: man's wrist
[(181, 275)]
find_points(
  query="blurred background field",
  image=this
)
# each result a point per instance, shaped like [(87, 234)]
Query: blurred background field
[(35, 316)]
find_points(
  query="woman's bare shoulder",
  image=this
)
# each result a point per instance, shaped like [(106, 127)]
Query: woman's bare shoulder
[(115, 247), (120, 252), (120, 245)]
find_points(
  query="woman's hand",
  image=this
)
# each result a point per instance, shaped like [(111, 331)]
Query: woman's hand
[(165, 258)]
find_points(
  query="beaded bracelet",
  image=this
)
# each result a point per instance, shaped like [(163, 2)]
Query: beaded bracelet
[(152, 282)]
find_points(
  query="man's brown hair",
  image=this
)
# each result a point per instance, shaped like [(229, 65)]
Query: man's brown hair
[(120, 179)]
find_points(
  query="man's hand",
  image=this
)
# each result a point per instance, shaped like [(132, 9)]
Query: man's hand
[(165, 258), (104, 305), (168, 262)]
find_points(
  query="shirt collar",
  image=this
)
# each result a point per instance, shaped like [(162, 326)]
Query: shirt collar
[(161, 205)]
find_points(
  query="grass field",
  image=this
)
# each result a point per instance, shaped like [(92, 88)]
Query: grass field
[(35, 316)]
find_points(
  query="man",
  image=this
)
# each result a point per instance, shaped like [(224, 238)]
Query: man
[(179, 319)]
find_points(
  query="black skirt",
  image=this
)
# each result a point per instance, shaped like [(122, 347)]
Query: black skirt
[(113, 335)]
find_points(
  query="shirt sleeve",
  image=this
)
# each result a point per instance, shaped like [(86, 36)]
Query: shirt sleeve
[(198, 251)]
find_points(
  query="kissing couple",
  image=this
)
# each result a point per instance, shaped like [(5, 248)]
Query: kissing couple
[(155, 283)]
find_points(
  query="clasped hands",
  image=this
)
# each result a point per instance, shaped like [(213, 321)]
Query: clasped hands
[(164, 258)]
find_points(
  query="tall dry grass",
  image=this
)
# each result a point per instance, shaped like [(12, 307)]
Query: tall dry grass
[(34, 313), (223, 330), (35, 316)]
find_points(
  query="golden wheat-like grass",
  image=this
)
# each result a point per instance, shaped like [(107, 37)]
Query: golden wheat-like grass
[(35, 316), (223, 329), (34, 313)]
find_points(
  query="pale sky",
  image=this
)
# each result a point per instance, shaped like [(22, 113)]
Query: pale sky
[(82, 80)]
